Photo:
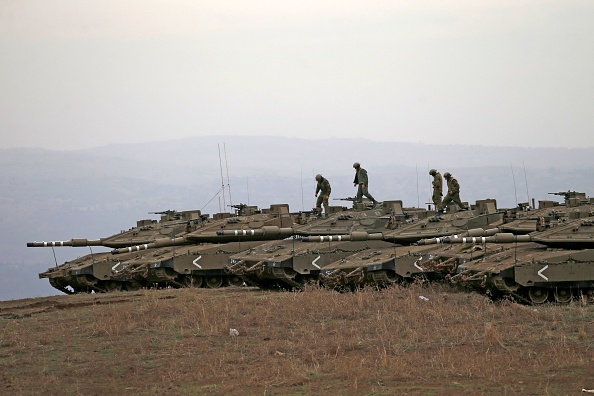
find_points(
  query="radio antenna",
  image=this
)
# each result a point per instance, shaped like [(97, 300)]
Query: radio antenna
[(302, 202), (227, 167), (514, 179), (526, 180), (247, 186), (418, 196), (222, 181)]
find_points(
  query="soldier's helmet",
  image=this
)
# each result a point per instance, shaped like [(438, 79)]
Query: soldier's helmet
[(447, 175), (356, 165), (319, 177), (433, 172)]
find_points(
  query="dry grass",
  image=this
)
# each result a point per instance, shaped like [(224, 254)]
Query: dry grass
[(312, 342)]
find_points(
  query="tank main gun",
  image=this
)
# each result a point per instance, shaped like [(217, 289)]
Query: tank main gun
[(353, 236), (264, 233), (473, 233), (75, 242), (500, 237), (577, 234), (345, 199), (387, 236)]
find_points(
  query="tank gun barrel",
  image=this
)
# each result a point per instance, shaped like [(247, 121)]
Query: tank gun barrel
[(502, 237), (72, 242), (345, 199), (266, 231), (353, 236), (159, 243), (475, 232)]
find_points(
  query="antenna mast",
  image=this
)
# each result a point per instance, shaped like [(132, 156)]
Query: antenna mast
[(302, 202), (222, 181), (247, 185), (227, 167), (418, 196), (514, 179), (526, 180)]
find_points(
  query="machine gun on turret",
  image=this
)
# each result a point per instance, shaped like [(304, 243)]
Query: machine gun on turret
[(572, 198), (244, 209), (168, 215)]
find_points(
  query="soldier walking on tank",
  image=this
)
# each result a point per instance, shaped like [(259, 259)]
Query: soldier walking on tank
[(437, 188), (361, 181), (324, 189), (453, 192)]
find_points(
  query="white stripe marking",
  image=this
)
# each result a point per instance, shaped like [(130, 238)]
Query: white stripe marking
[(541, 271), (314, 262), (195, 262), (417, 265)]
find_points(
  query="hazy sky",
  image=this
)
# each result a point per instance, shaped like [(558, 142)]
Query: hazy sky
[(83, 73)]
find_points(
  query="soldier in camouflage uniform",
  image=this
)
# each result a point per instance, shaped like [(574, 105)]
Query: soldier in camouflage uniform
[(324, 189), (437, 188), (453, 192), (362, 182)]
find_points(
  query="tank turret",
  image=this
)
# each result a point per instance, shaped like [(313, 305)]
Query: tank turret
[(172, 223)]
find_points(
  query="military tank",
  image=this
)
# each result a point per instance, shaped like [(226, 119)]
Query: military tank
[(197, 258), (147, 247), (395, 263), (93, 272), (552, 265), (198, 265)]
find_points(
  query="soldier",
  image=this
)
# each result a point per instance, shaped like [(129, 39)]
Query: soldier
[(437, 188), (453, 192), (362, 182), (324, 189)]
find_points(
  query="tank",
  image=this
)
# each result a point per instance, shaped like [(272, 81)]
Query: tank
[(92, 272), (150, 248), (311, 246), (396, 263), (556, 265), (200, 265)]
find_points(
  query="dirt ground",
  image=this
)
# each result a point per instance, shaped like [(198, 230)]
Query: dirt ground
[(249, 341)]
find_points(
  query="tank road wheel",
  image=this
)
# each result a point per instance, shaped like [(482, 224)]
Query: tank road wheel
[(133, 285), (588, 296), (191, 280), (538, 295), (563, 295), (234, 280), (112, 286), (213, 281)]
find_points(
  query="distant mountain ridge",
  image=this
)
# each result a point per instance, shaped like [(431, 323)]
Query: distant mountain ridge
[(56, 195)]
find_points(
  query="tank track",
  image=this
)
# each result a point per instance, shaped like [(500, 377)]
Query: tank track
[(54, 283)]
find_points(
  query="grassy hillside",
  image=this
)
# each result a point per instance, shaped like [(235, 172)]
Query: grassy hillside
[(313, 342)]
